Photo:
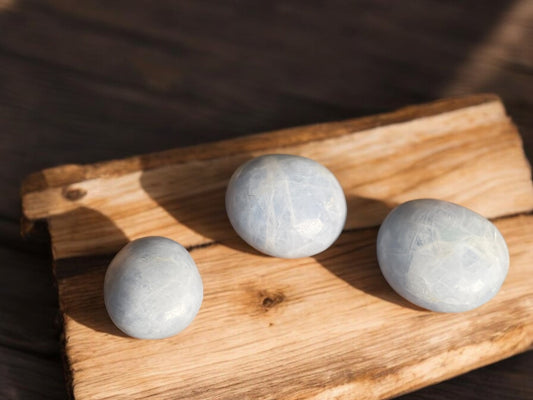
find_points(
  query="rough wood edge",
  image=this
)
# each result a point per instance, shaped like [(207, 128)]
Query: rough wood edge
[(68, 372), (72, 173)]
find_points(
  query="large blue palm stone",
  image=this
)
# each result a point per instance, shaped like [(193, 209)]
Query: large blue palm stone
[(286, 206), (152, 288), (442, 256)]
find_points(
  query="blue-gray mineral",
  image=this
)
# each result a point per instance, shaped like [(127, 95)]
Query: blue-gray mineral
[(152, 288), (442, 256), (286, 206)]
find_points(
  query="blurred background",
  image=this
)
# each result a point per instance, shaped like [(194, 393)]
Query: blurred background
[(85, 81)]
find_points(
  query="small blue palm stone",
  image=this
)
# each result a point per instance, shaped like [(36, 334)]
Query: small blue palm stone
[(286, 206), (442, 256), (152, 288)]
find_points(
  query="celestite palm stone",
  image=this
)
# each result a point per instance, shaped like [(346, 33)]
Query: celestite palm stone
[(442, 256), (286, 206), (152, 288)]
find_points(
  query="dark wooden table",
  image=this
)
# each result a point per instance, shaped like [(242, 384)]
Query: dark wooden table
[(86, 81)]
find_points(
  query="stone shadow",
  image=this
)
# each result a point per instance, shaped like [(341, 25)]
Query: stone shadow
[(80, 280), (203, 211), (353, 256)]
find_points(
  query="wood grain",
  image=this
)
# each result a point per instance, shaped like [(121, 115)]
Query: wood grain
[(29, 376), (380, 163), (322, 327), (503, 380), (27, 322), (264, 332)]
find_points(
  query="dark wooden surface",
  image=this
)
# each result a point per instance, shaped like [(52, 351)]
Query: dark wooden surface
[(88, 81)]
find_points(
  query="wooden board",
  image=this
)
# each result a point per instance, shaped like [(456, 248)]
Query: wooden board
[(321, 327)]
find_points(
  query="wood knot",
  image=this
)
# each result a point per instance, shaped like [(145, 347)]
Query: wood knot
[(73, 194), (270, 299)]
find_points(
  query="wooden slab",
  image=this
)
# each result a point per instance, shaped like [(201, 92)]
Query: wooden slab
[(322, 327)]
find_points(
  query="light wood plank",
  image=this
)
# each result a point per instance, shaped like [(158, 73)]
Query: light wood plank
[(472, 156), (323, 327)]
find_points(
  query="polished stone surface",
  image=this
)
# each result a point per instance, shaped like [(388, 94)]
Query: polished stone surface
[(286, 206), (442, 256), (152, 288)]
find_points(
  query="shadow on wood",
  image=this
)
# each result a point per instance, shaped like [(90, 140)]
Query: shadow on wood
[(88, 274), (203, 211), (361, 270)]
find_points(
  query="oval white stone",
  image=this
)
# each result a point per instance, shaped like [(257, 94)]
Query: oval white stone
[(442, 256), (286, 206), (152, 288)]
